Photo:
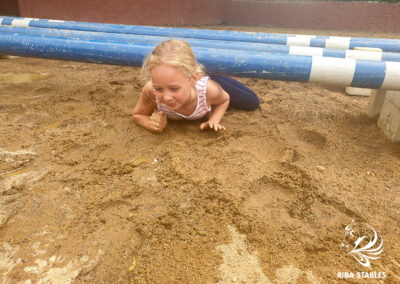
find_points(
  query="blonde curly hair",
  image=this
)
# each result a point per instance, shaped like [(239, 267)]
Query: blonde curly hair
[(176, 53)]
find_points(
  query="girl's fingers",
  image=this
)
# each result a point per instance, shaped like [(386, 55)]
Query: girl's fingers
[(212, 125), (154, 125), (219, 127), (157, 121), (158, 118), (155, 118), (204, 125), (155, 128)]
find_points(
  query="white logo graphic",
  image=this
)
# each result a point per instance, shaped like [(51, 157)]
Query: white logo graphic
[(364, 243)]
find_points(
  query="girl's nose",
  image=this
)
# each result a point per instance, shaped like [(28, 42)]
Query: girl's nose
[(167, 97)]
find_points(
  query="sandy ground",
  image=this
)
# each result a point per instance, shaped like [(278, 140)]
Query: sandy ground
[(87, 196)]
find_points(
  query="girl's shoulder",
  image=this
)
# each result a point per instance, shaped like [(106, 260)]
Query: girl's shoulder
[(213, 88), (215, 93)]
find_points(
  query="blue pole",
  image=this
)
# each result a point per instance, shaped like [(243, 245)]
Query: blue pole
[(346, 72), (276, 48), (387, 45)]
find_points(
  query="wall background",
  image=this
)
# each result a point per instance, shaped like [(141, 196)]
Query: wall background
[(9, 7), (358, 16)]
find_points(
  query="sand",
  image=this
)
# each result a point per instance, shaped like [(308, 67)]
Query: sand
[(87, 196)]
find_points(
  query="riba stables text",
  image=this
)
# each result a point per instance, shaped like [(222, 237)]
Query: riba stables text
[(361, 275)]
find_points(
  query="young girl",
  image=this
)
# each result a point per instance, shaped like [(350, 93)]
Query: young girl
[(178, 88)]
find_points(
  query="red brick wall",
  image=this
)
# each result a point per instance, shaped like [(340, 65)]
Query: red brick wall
[(148, 12), (9, 7), (374, 17)]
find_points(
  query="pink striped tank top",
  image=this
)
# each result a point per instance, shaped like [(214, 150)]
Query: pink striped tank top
[(201, 109)]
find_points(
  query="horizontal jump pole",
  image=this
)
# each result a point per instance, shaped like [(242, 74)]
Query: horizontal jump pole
[(387, 45), (276, 48), (345, 72)]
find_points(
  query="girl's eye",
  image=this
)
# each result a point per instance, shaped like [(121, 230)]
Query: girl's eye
[(158, 90), (174, 89)]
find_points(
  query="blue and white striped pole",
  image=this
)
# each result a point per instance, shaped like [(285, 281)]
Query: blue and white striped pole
[(387, 45), (250, 46), (345, 72)]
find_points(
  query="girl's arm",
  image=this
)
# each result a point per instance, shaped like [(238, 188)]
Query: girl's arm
[(144, 114), (219, 101)]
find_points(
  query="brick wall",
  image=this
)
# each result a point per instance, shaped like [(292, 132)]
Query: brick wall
[(373, 17), (148, 12), (9, 7)]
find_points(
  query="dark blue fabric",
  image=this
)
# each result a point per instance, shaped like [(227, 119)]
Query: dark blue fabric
[(241, 97)]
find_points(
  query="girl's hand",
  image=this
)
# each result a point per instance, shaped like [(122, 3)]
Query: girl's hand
[(157, 122), (212, 125)]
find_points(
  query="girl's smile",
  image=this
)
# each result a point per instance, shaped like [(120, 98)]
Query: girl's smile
[(174, 88)]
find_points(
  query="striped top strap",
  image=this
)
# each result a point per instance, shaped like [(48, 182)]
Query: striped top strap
[(201, 109)]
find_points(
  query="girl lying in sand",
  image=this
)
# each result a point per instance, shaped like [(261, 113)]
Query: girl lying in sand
[(178, 89)]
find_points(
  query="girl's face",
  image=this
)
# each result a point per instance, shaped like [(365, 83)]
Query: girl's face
[(172, 87)]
